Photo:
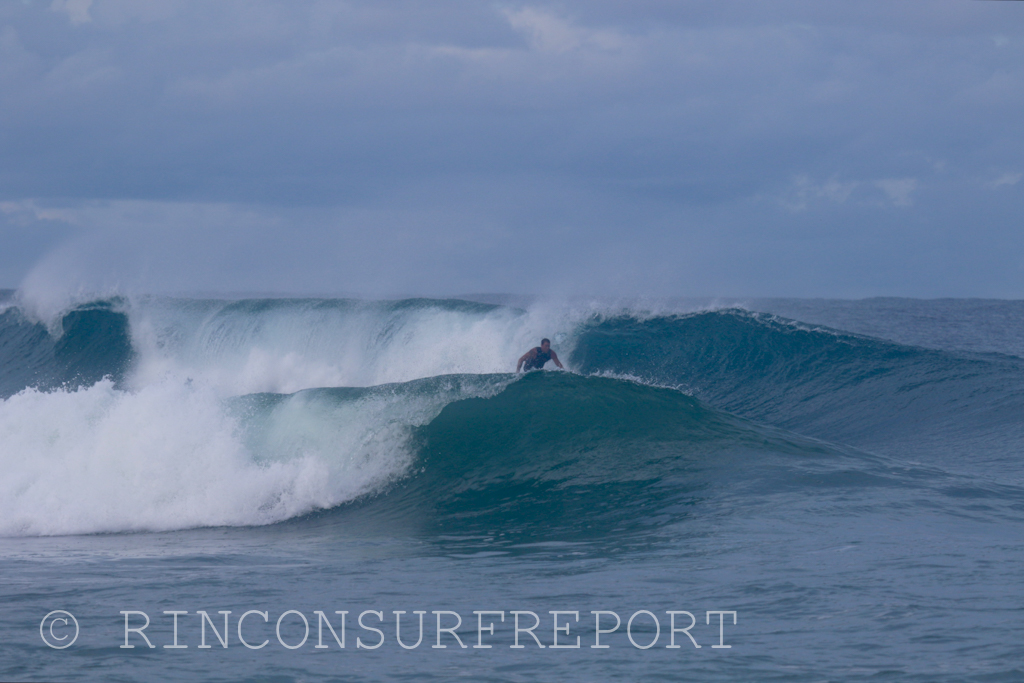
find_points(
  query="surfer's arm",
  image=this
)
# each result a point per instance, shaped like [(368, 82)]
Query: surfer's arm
[(526, 356), (554, 357)]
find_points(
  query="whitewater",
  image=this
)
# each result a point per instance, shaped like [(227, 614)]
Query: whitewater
[(849, 482)]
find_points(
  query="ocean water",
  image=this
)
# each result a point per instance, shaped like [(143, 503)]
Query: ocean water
[(808, 490)]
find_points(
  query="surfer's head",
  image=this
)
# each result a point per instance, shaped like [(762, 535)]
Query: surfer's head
[(545, 344)]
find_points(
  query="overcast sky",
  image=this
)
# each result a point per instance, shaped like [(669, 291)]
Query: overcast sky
[(766, 148)]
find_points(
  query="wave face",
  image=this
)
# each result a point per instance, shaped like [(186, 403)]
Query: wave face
[(560, 456), (157, 414)]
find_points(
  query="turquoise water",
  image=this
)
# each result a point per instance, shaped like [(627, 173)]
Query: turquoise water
[(853, 495)]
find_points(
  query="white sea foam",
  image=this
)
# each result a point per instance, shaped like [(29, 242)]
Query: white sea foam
[(174, 456), (240, 348), (99, 459)]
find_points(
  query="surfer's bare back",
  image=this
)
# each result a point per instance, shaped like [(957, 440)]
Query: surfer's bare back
[(536, 357)]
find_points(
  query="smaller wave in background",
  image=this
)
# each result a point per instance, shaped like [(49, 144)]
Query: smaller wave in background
[(91, 342), (817, 381)]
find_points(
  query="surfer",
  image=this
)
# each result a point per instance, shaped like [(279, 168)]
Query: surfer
[(536, 357)]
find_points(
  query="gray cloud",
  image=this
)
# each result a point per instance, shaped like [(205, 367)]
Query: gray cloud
[(749, 148)]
